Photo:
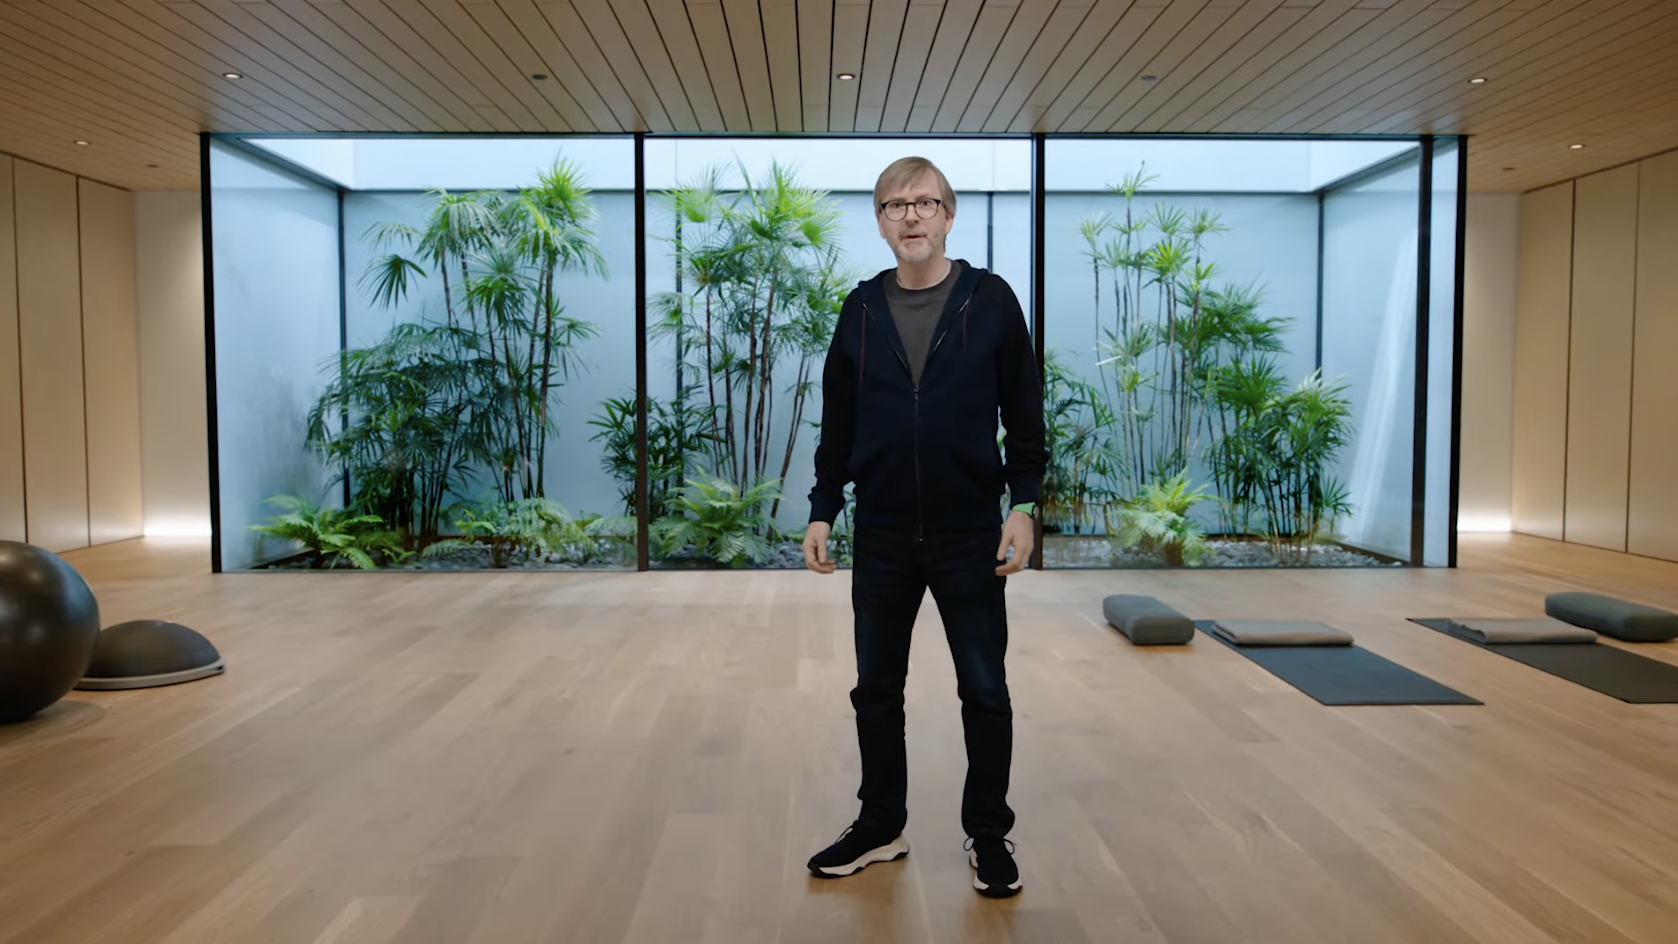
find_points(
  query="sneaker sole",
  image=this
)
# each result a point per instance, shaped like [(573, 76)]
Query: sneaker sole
[(989, 891), (890, 852)]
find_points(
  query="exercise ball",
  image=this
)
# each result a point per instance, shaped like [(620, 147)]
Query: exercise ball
[(148, 653), (49, 623)]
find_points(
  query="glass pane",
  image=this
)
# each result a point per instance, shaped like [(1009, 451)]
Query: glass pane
[(274, 239), (745, 293), (488, 323), (1185, 281), (1441, 353), (1369, 345)]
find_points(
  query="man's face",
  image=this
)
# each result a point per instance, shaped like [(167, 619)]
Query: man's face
[(913, 239)]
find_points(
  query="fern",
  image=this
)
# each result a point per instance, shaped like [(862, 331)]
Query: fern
[(719, 521), (333, 535), (1158, 523)]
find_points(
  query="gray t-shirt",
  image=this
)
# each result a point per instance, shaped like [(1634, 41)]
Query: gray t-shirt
[(915, 312)]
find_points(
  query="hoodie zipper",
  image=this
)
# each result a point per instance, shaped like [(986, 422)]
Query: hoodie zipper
[(920, 516)]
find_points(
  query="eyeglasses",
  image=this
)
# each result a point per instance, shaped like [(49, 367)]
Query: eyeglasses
[(924, 208)]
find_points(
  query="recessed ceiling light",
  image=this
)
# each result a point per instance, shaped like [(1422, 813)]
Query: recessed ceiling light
[(1575, 147), (538, 76), (1477, 80), (1150, 78), (231, 75), (846, 76), (82, 143)]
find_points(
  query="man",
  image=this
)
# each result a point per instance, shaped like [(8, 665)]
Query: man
[(924, 359)]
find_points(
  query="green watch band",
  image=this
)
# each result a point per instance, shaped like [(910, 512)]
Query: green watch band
[(1029, 508)]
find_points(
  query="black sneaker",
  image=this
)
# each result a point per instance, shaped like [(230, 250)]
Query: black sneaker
[(995, 875), (856, 847)]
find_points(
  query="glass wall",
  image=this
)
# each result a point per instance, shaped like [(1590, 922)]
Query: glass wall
[(1442, 388), (474, 314), (1226, 363), (1369, 346), (427, 346), (275, 266)]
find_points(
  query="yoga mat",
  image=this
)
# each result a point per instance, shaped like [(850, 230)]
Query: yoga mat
[(1345, 675), (1597, 666)]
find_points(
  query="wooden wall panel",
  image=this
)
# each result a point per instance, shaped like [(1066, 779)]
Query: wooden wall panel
[(11, 406), (1653, 501), (110, 363), (50, 330), (1543, 299), (138, 79), (1599, 368)]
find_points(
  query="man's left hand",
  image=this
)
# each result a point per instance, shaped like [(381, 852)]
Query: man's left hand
[(1017, 532)]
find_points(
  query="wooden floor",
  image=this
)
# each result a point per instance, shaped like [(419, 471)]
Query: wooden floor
[(524, 759)]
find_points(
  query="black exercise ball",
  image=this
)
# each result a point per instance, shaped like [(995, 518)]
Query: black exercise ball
[(148, 653), (49, 623)]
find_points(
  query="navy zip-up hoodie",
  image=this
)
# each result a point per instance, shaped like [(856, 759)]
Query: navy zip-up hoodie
[(925, 459)]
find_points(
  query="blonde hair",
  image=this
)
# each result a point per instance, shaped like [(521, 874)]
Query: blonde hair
[(905, 171)]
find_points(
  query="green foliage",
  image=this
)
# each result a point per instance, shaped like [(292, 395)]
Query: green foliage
[(439, 406), (411, 401), (717, 520), (1171, 328), (759, 270), (1082, 460), (1185, 376), (1158, 522), (1278, 457), (672, 437), (527, 528), (333, 536)]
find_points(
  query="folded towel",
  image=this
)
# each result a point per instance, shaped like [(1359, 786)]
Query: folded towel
[(1510, 632), (1262, 632)]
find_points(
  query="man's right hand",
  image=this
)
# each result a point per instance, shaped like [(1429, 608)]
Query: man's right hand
[(815, 548)]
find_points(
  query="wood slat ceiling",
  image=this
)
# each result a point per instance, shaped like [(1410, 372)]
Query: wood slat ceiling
[(137, 79)]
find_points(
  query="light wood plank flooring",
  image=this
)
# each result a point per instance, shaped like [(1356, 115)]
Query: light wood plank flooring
[(525, 758)]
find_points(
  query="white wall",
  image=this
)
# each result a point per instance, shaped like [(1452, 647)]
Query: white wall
[(111, 362), (69, 437), (49, 295), (12, 522), (1599, 359), (174, 449), (1543, 294), (1652, 523), (1491, 244), (1596, 330)]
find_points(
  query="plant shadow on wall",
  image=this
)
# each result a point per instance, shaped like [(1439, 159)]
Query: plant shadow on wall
[(760, 277), (442, 429), (1186, 386)]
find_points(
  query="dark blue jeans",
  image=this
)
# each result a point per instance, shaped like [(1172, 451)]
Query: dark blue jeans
[(890, 575)]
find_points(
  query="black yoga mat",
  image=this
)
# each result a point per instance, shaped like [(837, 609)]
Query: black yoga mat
[(1345, 675), (1598, 666)]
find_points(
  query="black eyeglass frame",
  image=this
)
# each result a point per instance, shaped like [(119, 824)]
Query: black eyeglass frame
[(936, 204)]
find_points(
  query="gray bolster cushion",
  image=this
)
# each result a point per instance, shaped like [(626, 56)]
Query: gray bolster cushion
[(1146, 621), (1262, 632), (1508, 632), (1621, 619)]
